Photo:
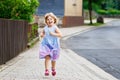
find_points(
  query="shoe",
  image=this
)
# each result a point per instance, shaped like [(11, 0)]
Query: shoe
[(53, 72), (46, 72)]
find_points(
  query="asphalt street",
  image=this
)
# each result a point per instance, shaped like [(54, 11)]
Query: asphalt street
[(101, 46)]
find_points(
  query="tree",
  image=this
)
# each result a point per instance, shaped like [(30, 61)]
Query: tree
[(113, 4), (90, 10), (18, 9), (90, 4)]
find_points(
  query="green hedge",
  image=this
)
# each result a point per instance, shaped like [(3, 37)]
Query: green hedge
[(103, 12), (109, 12), (32, 32), (18, 9)]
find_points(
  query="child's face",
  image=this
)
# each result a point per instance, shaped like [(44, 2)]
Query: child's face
[(50, 21)]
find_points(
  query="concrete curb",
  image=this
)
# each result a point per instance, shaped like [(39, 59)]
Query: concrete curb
[(32, 42), (88, 68)]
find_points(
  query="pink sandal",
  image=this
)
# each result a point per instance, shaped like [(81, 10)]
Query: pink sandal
[(46, 72), (53, 72)]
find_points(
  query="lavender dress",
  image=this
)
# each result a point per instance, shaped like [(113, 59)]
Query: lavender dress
[(49, 44)]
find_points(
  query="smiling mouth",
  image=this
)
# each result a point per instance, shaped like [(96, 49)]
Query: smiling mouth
[(50, 22)]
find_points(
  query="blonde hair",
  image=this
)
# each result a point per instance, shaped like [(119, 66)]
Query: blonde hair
[(52, 15)]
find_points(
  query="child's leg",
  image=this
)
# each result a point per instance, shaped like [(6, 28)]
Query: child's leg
[(53, 64), (53, 68), (47, 59)]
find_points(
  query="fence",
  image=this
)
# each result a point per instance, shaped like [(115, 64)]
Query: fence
[(13, 38)]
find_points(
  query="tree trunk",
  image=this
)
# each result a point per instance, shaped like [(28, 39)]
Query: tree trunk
[(90, 10)]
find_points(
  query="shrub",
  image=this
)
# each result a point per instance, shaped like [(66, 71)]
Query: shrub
[(114, 12), (32, 32), (103, 12), (18, 9), (109, 12)]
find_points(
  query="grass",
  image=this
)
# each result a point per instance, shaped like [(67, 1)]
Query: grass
[(94, 24)]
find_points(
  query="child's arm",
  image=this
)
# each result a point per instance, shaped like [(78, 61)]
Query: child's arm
[(57, 33), (42, 33)]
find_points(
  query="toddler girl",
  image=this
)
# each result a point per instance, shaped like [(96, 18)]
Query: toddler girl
[(50, 46)]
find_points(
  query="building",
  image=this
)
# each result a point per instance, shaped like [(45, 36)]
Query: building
[(70, 10)]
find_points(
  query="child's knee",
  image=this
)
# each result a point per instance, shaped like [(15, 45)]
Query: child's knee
[(47, 57)]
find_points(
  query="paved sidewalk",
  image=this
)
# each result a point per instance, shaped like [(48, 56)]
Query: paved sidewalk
[(70, 66)]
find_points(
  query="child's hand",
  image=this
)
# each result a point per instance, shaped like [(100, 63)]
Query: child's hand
[(57, 33), (52, 33), (41, 35)]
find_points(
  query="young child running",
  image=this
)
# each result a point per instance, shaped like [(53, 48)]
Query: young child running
[(50, 46)]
